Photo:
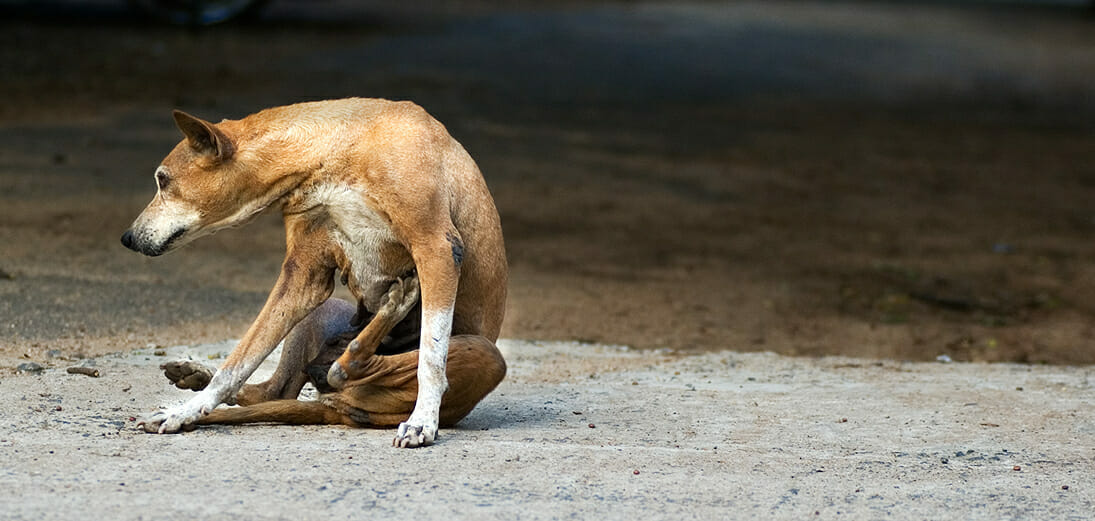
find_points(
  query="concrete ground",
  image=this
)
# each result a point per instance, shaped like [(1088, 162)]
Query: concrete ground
[(581, 431)]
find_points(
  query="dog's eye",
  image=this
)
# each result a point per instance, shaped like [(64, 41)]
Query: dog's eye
[(162, 180)]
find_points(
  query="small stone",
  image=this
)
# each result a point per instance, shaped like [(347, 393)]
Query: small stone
[(30, 367), (86, 371)]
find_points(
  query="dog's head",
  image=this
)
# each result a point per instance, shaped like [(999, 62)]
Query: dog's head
[(202, 186)]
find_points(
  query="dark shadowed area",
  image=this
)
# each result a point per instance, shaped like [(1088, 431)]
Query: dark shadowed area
[(880, 179)]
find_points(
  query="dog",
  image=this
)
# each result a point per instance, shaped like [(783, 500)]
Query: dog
[(374, 190)]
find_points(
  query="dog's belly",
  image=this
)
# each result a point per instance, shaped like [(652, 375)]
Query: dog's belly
[(371, 256)]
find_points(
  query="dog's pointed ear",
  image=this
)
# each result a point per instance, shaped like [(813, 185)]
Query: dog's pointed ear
[(203, 136)]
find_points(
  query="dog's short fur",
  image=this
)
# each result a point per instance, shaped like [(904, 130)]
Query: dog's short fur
[(378, 191)]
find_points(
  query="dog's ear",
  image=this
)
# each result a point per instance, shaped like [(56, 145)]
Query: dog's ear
[(204, 136)]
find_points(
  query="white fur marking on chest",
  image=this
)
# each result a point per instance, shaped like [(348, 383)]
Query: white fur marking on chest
[(360, 232)]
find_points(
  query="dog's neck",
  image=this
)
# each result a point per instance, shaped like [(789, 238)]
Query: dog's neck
[(289, 175)]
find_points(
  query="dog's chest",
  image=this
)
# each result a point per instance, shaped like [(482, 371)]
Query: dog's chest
[(371, 255)]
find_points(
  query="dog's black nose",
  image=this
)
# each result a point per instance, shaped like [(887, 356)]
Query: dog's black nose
[(127, 239)]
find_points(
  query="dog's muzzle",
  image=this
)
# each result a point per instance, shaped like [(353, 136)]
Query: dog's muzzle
[(130, 241)]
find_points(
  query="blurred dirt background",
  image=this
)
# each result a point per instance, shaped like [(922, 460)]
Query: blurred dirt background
[(881, 179)]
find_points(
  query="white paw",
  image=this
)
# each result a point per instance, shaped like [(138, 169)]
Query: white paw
[(181, 418), (410, 436)]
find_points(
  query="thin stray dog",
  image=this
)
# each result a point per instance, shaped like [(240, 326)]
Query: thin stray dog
[(379, 191)]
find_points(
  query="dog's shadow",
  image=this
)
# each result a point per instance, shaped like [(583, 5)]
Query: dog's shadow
[(515, 412)]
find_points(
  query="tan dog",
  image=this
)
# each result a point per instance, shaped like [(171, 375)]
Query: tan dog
[(379, 191)]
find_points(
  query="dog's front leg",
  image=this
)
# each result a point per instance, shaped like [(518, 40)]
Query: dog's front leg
[(438, 275), (302, 286)]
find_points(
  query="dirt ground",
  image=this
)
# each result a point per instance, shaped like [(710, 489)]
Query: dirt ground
[(888, 180), (582, 432)]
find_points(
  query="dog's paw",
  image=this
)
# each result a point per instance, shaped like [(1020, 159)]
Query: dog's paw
[(409, 436), (164, 422), (401, 297), (177, 419), (336, 375), (187, 374)]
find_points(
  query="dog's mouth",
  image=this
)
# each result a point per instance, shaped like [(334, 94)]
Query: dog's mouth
[(131, 242), (170, 240)]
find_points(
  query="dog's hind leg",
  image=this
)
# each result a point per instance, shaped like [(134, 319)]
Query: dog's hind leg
[(386, 395), (290, 412), (401, 298), (321, 335)]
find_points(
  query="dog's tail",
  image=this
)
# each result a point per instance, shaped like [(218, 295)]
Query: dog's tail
[(290, 412)]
